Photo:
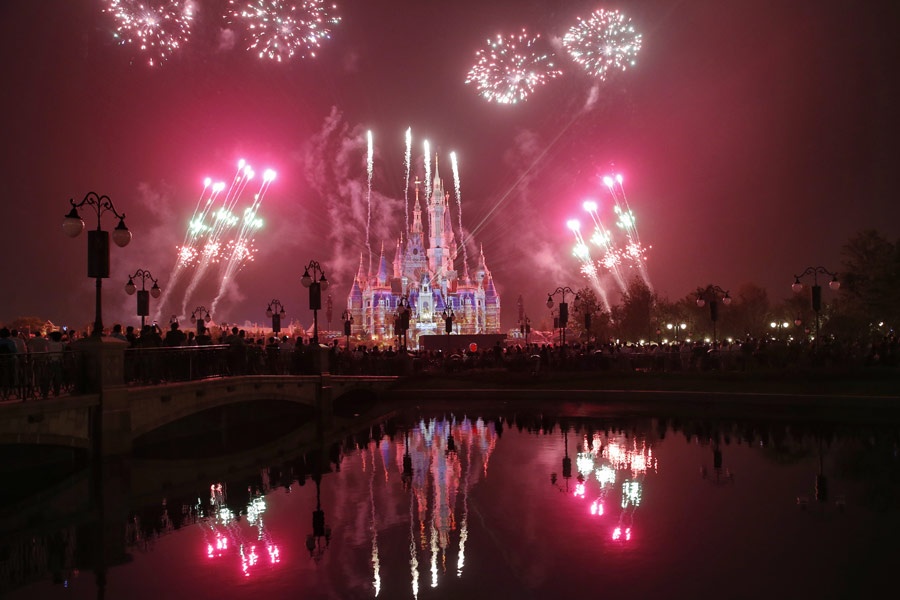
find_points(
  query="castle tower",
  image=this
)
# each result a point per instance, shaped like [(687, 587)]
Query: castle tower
[(415, 263)]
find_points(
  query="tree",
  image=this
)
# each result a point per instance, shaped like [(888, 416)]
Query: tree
[(588, 304), (750, 313), (634, 321), (27, 324), (870, 280)]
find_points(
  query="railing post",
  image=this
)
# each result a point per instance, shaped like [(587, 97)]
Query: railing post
[(102, 372)]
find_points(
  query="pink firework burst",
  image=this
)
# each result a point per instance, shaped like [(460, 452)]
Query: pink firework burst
[(281, 29), (157, 28)]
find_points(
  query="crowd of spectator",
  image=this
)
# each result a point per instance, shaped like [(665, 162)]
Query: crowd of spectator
[(43, 365)]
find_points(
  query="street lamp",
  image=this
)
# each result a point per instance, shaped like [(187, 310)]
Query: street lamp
[(525, 327), (98, 245), (276, 315), (674, 327), (347, 318), (448, 315), (779, 326), (402, 322), (316, 284), (200, 316), (563, 309), (816, 290), (712, 294), (143, 295)]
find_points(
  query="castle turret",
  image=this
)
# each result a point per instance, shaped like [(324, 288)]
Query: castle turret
[(382, 277), (398, 261)]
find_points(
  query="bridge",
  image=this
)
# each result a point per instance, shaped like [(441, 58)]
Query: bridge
[(109, 414)]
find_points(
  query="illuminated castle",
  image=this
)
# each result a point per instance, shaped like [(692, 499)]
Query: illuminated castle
[(424, 273)]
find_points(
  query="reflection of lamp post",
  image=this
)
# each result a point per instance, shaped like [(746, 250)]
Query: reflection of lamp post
[(143, 295), (821, 490), (347, 318), (317, 542), (316, 284), (275, 311), (200, 316), (816, 290), (98, 245), (713, 294), (566, 462), (563, 309), (719, 475)]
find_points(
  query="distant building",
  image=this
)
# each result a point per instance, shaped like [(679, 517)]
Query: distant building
[(422, 270)]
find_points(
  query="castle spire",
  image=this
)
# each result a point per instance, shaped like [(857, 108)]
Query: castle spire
[(417, 212), (382, 266), (360, 274)]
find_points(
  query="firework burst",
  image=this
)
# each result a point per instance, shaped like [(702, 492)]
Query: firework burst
[(158, 28), (603, 43), (281, 29), (509, 69)]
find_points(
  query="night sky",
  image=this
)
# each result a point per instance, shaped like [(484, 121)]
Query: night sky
[(755, 138)]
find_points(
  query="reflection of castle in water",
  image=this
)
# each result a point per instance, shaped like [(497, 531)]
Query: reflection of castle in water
[(438, 461)]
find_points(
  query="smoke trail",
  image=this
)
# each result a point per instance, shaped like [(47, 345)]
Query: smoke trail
[(462, 235), (369, 165), (427, 171), (406, 189)]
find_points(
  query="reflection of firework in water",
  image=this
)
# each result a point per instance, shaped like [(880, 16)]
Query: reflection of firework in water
[(279, 29), (604, 42), (509, 69), (156, 27)]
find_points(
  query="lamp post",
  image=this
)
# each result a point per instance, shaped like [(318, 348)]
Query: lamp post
[(98, 245), (816, 290), (143, 295), (712, 294), (780, 327), (448, 315), (674, 327), (316, 284), (347, 318), (200, 316), (525, 327), (275, 311), (402, 323), (563, 309)]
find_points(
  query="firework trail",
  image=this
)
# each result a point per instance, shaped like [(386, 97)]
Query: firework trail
[(509, 69), (369, 170), (462, 237), (603, 240), (279, 29), (427, 171), (224, 220), (582, 252), (627, 222), (157, 30), (188, 252), (407, 157), (604, 42), (240, 251)]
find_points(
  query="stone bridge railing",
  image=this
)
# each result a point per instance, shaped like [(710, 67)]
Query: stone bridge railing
[(108, 415)]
